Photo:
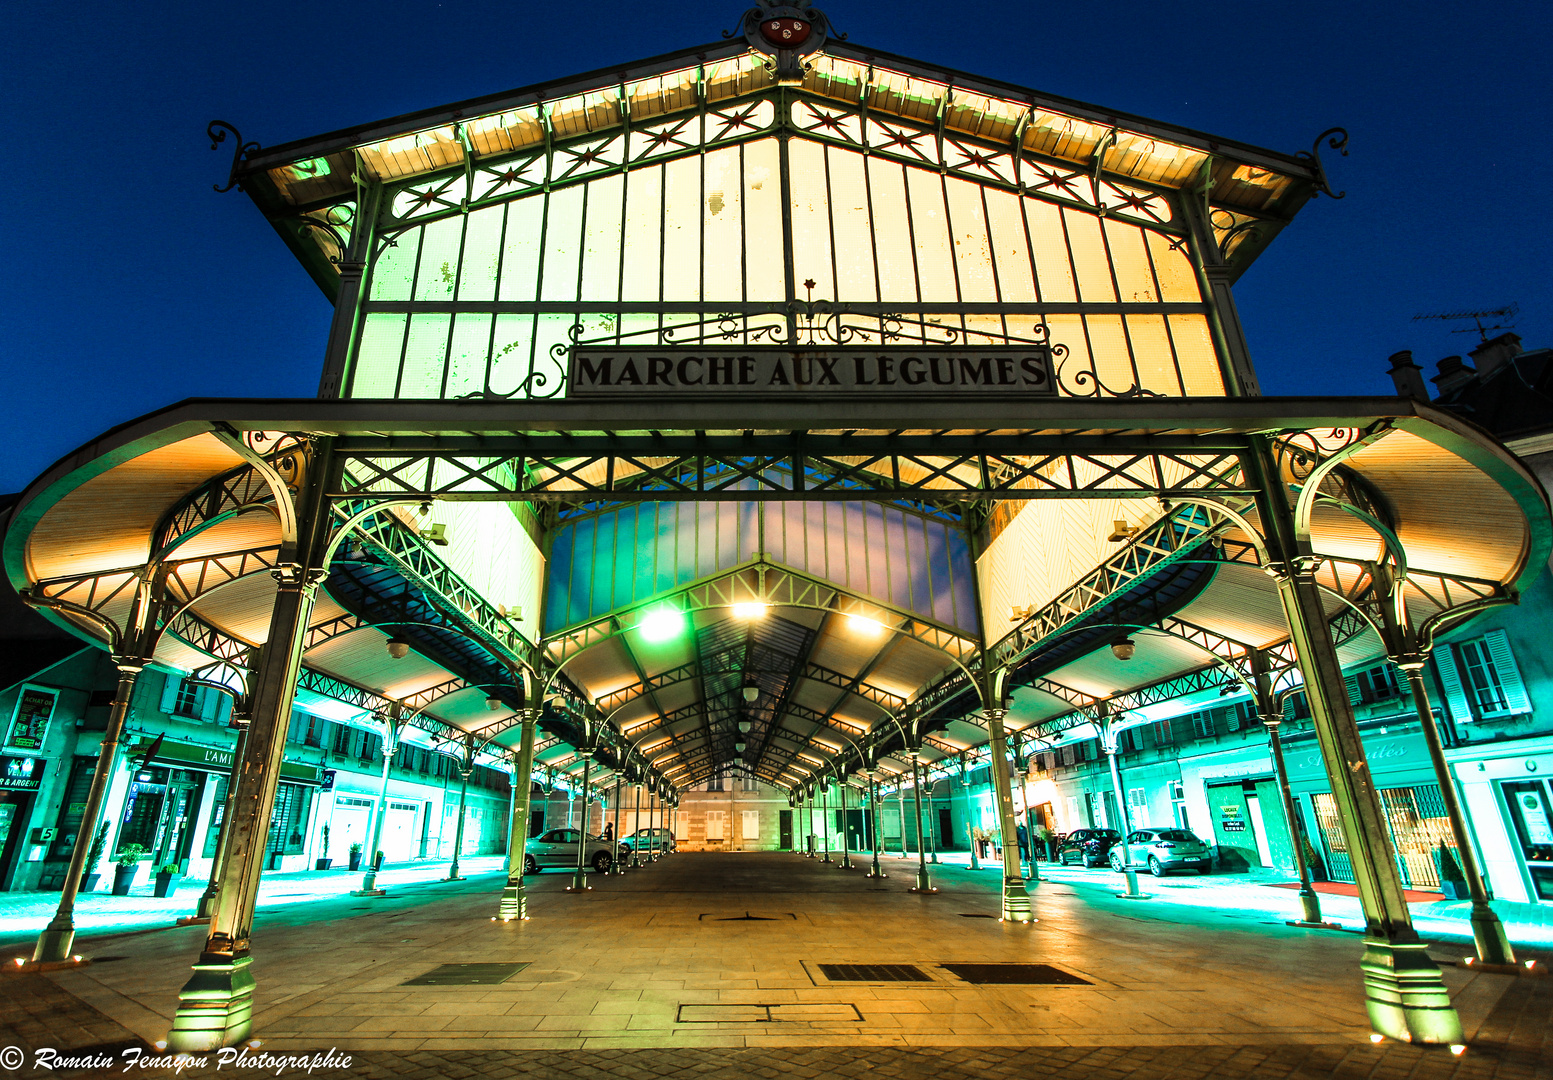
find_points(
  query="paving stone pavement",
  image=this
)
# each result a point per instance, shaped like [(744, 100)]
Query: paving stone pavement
[(1181, 994)]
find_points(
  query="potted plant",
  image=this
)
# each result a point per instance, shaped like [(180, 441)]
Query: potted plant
[(1453, 883), (90, 877), (1318, 870), (355, 856), (323, 863), (164, 878), (128, 861)]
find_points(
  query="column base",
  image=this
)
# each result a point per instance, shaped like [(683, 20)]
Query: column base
[(21, 967), (1488, 934), (215, 1008), (1310, 903), (924, 883), (1530, 967), (54, 946), (1308, 925), (459, 877), (1405, 996), (206, 907), (369, 892), (1016, 901), (193, 920), (514, 904)]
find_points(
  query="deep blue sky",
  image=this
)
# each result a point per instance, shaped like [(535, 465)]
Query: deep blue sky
[(129, 283)]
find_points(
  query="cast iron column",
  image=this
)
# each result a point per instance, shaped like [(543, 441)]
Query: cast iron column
[(216, 1005), (825, 816), (390, 748), (207, 902), (580, 879), (466, 768), (873, 822), (1493, 945), (614, 861), (1267, 708), (58, 938), (1404, 994), (1016, 898), (924, 881), (1109, 743), (932, 825), (514, 895), (636, 825), (846, 857)]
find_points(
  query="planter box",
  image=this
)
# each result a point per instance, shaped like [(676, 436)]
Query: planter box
[(89, 882), (123, 878), (355, 863), (1455, 890), (164, 883), (322, 864)]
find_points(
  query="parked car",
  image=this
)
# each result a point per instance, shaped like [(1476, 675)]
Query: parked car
[(558, 848), (654, 839), (1087, 846), (1162, 850)]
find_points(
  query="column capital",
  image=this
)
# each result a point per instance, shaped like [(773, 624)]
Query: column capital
[(298, 578)]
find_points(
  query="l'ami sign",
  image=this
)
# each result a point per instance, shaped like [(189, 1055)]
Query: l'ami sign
[(783, 371)]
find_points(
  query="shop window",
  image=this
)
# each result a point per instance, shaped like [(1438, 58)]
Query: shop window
[(217, 815), (73, 808), (1529, 805), (288, 819), (143, 809)]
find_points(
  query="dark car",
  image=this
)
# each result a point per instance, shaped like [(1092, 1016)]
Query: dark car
[(1162, 850), (1087, 846)]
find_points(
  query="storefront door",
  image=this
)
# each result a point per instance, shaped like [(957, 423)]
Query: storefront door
[(14, 807), (1528, 802)]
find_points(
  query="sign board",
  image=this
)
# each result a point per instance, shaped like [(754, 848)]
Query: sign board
[(1536, 817), (30, 718), (219, 759), (20, 774), (739, 371)]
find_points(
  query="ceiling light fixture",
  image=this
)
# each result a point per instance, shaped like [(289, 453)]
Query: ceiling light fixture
[(864, 626), (665, 624), (1123, 649), (493, 703), (398, 647), (744, 727), (749, 610), (751, 692)]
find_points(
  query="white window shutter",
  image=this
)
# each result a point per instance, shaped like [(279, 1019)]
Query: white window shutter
[(1455, 696), (210, 704), (1355, 695), (170, 683), (1510, 682)]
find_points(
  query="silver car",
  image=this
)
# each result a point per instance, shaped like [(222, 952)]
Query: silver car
[(1161, 851), (558, 848)]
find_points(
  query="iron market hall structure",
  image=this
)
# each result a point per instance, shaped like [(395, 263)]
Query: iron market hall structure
[(782, 406)]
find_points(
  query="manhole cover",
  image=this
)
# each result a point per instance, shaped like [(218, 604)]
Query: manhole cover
[(1014, 975), (466, 975), (874, 973)]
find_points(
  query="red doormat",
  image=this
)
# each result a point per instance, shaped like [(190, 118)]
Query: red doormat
[(1343, 888)]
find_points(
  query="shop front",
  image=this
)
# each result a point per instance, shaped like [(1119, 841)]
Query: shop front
[(1507, 792), (1415, 810), (20, 780), (1231, 799)]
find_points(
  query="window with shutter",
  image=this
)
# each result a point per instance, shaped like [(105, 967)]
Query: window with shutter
[(1510, 683), (1355, 695), (1450, 682)]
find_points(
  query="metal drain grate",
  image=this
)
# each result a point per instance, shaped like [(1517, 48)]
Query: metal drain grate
[(467, 975), (874, 973), (1014, 975)]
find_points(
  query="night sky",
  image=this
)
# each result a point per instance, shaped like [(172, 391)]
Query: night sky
[(130, 284)]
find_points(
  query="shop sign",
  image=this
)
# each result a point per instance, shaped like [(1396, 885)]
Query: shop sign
[(20, 774), (1230, 819), (1392, 754), (1535, 814), (219, 759), (30, 718), (766, 371)]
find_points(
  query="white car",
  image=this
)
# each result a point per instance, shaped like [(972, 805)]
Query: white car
[(558, 848)]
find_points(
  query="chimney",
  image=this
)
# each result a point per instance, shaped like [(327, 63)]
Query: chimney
[(1408, 376), (1454, 372), (1496, 352)]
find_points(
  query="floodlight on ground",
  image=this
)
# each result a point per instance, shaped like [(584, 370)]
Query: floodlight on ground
[(665, 624), (749, 610), (398, 648), (1123, 649)]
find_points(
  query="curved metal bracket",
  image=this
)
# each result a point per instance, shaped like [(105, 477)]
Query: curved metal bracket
[(1337, 139), (216, 131)]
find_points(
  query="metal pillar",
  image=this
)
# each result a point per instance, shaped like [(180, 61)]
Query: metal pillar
[(216, 1005), (636, 827), (1016, 899), (900, 811), (873, 821), (58, 938), (614, 861), (1035, 872), (390, 747), (207, 901), (846, 856), (825, 817), (514, 895), (1269, 709), (932, 825), (924, 881), (1404, 994), (1111, 753), (463, 794), (1493, 945), (580, 878)]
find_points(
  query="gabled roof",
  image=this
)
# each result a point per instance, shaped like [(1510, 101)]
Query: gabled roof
[(1244, 184)]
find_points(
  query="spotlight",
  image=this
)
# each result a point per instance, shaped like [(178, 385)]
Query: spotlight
[(436, 534), (1120, 531), (864, 627), (664, 624), (1123, 649), (398, 647), (752, 610)]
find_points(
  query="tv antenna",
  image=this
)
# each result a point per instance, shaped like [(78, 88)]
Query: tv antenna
[(1508, 312)]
